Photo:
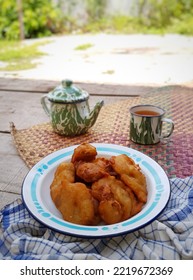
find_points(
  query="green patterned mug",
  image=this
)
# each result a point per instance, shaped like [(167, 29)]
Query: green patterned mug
[(146, 124)]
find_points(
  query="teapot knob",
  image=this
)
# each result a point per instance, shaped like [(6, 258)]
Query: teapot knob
[(66, 83)]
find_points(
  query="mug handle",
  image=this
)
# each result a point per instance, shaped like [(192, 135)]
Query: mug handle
[(171, 128), (44, 104)]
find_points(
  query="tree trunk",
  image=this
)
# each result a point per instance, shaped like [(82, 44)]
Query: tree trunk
[(20, 19)]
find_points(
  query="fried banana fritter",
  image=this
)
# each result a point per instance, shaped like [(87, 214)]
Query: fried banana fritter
[(75, 202), (90, 171), (131, 175), (91, 189), (114, 201), (64, 171), (84, 152), (105, 164), (110, 211)]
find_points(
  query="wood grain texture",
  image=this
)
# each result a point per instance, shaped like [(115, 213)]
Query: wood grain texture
[(43, 86), (12, 171)]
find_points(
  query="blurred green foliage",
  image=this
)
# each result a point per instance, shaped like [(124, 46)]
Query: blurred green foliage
[(84, 47), (165, 14), (114, 24), (43, 18), (150, 16), (95, 9), (40, 18)]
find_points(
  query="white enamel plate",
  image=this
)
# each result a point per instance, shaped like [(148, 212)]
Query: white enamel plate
[(36, 193)]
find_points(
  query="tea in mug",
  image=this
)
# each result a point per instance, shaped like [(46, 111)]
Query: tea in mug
[(147, 113), (146, 124)]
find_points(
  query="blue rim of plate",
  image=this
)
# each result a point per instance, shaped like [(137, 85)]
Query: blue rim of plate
[(159, 187)]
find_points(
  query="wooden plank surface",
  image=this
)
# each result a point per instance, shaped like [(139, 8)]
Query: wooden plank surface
[(40, 86), (12, 167), (12, 171)]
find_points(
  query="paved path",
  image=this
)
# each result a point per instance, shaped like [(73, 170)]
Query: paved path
[(120, 59)]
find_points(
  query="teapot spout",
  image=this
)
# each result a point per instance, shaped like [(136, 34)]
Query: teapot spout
[(92, 117)]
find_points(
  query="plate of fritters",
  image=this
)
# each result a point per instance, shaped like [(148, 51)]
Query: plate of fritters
[(96, 190)]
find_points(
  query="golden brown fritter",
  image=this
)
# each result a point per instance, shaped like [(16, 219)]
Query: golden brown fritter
[(105, 164), (114, 201), (110, 211), (84, 152), (89, 171), (64, 171), (75, 202), (130, 173)]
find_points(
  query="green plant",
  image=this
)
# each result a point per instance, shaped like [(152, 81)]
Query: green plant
[(83, 47), (154, 17), (43, 18), (40, 18), (124, 24), (114, 24), (162, 13), (182, 26), (95, 9)]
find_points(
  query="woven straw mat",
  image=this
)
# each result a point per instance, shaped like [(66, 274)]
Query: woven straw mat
[(112, 126)]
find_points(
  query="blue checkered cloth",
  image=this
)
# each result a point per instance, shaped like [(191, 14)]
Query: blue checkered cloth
[(169, 237)]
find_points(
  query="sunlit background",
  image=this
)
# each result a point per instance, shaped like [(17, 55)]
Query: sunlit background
[(102, 41)]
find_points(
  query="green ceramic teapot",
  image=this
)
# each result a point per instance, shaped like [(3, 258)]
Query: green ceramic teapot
[(69, 109)]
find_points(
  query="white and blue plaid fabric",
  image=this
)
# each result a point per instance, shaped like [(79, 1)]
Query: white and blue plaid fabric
[(169, 237)]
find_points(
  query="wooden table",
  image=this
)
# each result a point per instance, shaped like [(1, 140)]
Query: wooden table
[(20, 103)]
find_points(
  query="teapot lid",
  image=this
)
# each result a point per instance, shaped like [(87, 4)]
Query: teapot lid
[(67, 93)]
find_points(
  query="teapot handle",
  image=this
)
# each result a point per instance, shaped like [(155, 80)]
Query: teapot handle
[(44, 104)]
